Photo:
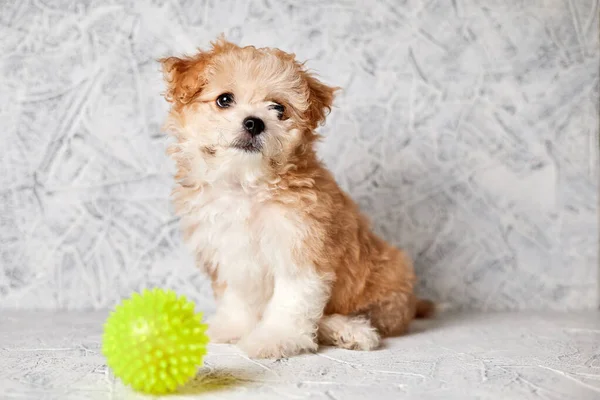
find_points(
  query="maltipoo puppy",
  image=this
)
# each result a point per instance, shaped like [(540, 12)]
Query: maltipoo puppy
[(293, 262)]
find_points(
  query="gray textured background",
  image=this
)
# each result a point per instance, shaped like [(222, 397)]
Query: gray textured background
[(468, 131)]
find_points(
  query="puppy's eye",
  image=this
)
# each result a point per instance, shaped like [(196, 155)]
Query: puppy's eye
[(225, 100), (279, 108)]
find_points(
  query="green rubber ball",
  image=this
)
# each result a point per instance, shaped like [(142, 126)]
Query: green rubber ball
[(154, 342)]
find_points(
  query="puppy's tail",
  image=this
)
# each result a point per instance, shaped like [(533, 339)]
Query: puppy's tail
[(425, 308)]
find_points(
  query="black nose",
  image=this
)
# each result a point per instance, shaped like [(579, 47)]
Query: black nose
[(254, 126)]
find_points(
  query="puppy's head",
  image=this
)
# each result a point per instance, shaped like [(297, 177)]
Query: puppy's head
[(242, 108)]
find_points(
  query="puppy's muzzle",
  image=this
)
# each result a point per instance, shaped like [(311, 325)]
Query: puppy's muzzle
[(254, 126)]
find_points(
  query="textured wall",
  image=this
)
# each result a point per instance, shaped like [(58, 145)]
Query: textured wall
[(467, 131)]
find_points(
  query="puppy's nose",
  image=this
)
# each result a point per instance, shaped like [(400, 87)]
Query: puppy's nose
[(254, 126)]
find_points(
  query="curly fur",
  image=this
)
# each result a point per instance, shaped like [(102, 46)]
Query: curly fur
[(291, 257)]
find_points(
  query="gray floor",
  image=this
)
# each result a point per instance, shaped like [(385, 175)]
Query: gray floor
[(456, 356)]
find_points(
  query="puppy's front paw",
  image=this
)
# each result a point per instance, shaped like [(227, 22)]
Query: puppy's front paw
[(227, 330), (220, 334), (264, 344)]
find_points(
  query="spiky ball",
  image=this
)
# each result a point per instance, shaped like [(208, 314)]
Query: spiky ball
[(154, 341)]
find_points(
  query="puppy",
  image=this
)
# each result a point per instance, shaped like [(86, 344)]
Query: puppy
[(293, 262)]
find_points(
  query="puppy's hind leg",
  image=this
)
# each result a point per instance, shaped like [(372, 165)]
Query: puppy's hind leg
[(353, 333)]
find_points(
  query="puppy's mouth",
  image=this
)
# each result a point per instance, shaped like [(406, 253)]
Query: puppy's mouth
[(248, 144)]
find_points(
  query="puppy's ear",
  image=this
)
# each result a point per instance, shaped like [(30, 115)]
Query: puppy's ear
[(320, 100), (221, 45), (184, 77)]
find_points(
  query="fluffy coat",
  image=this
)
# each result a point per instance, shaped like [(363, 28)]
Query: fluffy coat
[(292, 260)]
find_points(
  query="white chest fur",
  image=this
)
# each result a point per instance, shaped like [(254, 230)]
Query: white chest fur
[(245, 240), (222, 236)]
